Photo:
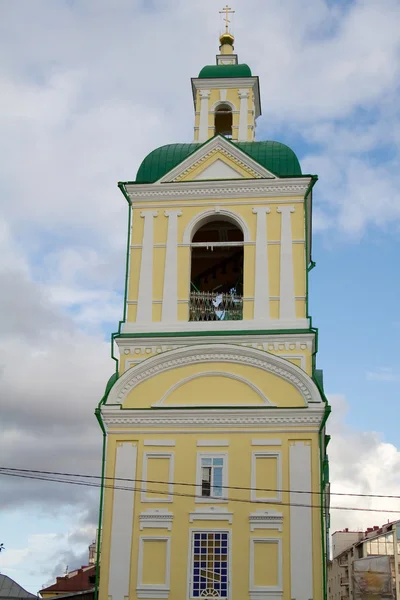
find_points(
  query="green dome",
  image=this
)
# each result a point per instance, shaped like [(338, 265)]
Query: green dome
[(216, 71), (274, 156)]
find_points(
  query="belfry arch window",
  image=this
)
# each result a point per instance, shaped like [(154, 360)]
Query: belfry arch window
[(217, 272), (223, 120)]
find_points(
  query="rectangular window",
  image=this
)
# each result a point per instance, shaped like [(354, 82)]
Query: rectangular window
[(212, 476), (210, 564)]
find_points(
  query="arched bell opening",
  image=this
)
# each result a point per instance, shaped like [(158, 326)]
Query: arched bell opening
[(223, 120), (217, 272)]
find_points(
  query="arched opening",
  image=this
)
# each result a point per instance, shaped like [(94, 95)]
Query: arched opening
[(223, 120), (217, 272)]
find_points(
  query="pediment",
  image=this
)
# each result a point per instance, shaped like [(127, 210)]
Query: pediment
[(215, 160)]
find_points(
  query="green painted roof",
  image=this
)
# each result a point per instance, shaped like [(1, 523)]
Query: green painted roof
[(274, 156), (212, 71)]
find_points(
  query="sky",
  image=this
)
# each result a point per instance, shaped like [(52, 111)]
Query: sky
[(87, 89)]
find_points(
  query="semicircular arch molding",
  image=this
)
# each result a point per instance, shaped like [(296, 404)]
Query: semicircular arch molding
[(212, 353), (215, 374), (222, 103), (212, 215)]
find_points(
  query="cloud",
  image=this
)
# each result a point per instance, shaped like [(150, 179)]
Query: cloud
[(384, 374)]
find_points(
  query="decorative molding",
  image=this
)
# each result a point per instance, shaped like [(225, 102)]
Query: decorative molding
[(287, 308), (169, 311), (261, 275), (217, 145), (301, 526), (222, 101), (210, 215), (156, 519), (268, 442), (266, 519), (213, 374), (169, 443), (211, 513), (203, 123), (221, 353), (212, 443), (241, 82), (255, 484), (122, 521), (145, 293), (211, 499), (270, 592), (243, 116), (192, 326), (144, 492), (256, 188), (148, 590)]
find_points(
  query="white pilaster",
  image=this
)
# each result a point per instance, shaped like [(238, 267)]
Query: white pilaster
[(145, 294), (261, 285), (203, 126), (122, 522), (301, 570), (243, 116), (287, 302), (170, 290)]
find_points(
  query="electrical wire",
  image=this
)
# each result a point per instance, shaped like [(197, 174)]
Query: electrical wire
[(181, 494)]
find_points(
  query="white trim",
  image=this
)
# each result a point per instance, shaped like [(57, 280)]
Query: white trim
[(239, 188), (215, 420), (146, 590), (301, 526), (145, 293), (196, 326), (243, 116), (214, 145), (169, 310), (268, 442), (266, 519), (224, 374), (240, 82), (211, 215), (211, 513), (300, 357), (261, 274), (212, 443), (159, 443), (255, 484), (164, 497), (223, 101), (212, 499), (258, 591), (287, 306), (122, 521), (209, 353), (190, 561), (157, 518), (203, 124)]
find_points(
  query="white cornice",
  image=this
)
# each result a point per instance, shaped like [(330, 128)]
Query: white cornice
[(229, 83), (264, 418), (218, 144), (242, 188), (197, 326), (211, 353)]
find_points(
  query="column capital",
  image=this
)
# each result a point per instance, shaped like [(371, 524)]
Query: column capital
[(285, 209), (173, 213), (244, 93), (205, 94), (149, 213), (259, 210)]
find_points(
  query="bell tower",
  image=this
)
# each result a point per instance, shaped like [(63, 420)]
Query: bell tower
[(215, 417)]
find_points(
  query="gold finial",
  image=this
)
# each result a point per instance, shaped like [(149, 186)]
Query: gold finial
[(227, 11)]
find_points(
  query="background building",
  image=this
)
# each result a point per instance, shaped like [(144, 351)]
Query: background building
[(214, 423), (357, 568)]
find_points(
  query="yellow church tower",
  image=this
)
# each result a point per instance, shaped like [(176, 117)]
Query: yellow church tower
[(215, 480)]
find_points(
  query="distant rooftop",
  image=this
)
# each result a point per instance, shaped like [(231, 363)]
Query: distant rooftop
[(10, 589)]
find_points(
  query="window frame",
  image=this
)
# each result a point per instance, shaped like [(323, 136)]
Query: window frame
[(154, 590), (263, 454), (212, 499), (164, 498), (190, 581), (257, 591)]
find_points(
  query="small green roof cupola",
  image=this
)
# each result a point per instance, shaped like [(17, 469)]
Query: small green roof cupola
[(226, 95)]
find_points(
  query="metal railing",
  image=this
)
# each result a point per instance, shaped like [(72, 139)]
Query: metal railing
[(209, 306)]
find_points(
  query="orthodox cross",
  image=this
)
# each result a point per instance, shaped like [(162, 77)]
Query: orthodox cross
[(227, 11)]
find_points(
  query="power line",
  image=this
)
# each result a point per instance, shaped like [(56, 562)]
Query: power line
[(181, 494), (181, 483)]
